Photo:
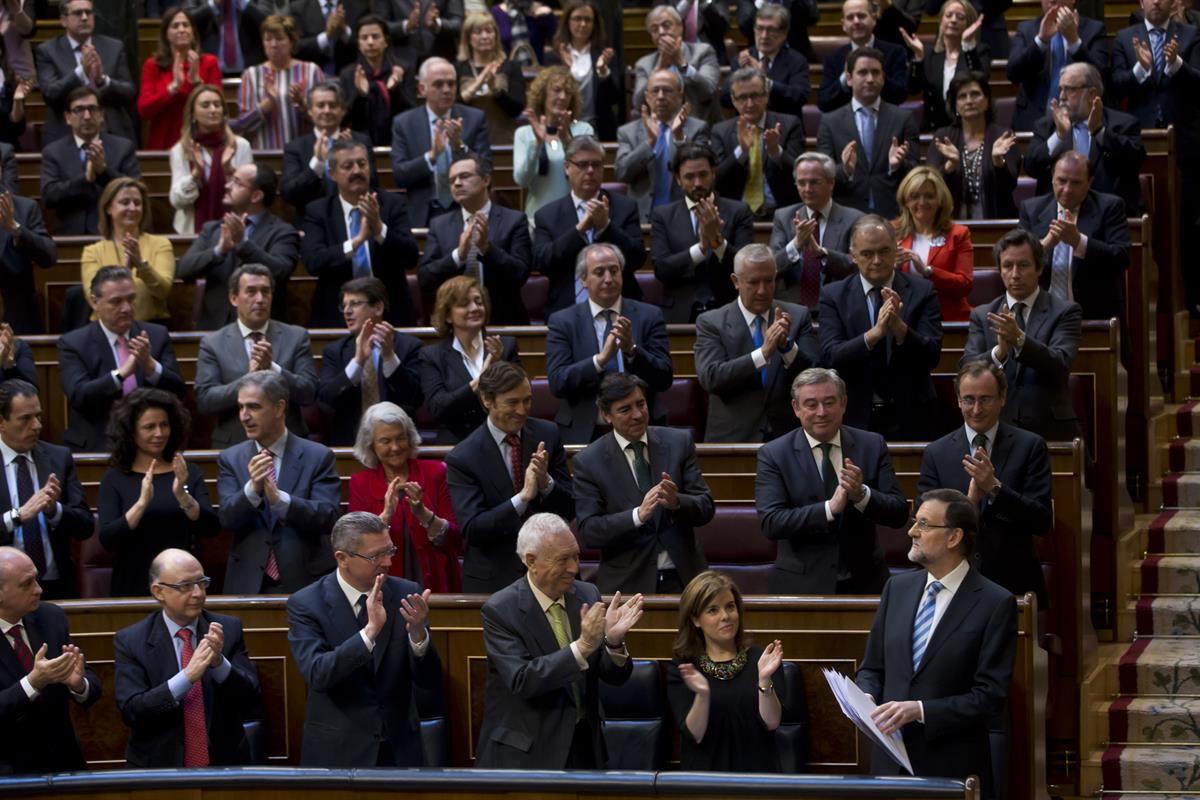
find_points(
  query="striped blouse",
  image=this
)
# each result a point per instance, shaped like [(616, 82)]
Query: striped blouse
[(285, 122)]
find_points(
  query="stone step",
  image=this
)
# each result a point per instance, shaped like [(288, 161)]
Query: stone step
[(1160, 771), (1183, 455), (1187, 418), (1168, 575), (1167, 616), (1154, 719), (1181, 490), (1160, 666), (1175, 531)]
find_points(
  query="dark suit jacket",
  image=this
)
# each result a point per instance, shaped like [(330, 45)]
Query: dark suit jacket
[(76, 521), (740, 407), (481, 486), (926, 76), (56, 78), (804, 13), (446, 385), (301, 538), (1097, 280), (324, 235), (145, 662), (689, 288), (1160, 100), (871, 179), (732, 173), (37, 736), (529, 711), (609, 93), (836, 241), (23, 366), (790, 496), (358, 698), (1116, 156), (1039, 397), (833, 95), (557, 244), (8, 155), (962, 680), (996, 183), (33, 247), (410, 143), (299, 185), (606, 495), (1004, 550), (413, 47), (506, 264), (66, 190), (790, 82), (898, 373), (1029, 66), (341, 400), (570, 345), (86, 362), (635, 164), (310, 19), (209, 25)]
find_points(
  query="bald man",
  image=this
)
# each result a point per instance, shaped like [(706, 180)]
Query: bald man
[(41, 671), (185, 684)]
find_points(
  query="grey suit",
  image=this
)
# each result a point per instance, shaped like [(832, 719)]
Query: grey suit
[(635, 161), (56, 64), (837, 262), (223, 360), (872, 187), (65, 187), (701, 88), (410, 143)]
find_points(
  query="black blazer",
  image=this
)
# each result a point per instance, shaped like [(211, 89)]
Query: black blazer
[(310, 19), (803, 14), (790, 82), (66, 190), (56, 78), (608, 96), (324, 235), (33, 247), (341, 401), (23, 366), (37, 735), (413, 47), (732, 173), (1004, 549), (209, 28), (299, 185), (372, 114), (1160, 100), (410, 143), (874, 179), (506, 265), (481, 487), (926, 76), (833, 95), (997, 183), (86, 362), (606, 494), (146, 661), (1029, 66), (570, 345), (446, 385), (556, 244)]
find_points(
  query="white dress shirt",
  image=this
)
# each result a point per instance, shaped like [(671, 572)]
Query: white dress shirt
[(352, 597), (280, 507), (45, 523), (506, 454), (179, 684), (835, 456)]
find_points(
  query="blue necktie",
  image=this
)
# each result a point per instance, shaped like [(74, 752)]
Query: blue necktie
[(581, 290), (618, 364), (924, 624), (866, 132), (757, 336), (83, 154), (1081, 138), (662, 166), (361, 260), (1157, 37), (1060, 269), (1058, 60)]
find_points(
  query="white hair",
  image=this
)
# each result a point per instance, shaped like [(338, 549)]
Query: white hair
[(581, 260), (382, 414), (428, 64), (536, 530)]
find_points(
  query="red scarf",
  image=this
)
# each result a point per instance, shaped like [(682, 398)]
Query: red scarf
[(212, 191)]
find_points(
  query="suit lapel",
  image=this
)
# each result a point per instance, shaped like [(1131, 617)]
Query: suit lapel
[(500, 471), (8, 657), (906, 615), (340, 614), (385, 633), (960, 607), (108, 359), (1001, 451), (454, 363), (856, 301), (236, 347), (290, 464), (537, 623)]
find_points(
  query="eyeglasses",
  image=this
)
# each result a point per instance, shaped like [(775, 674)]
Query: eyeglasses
[(1064, 89), (187, 586), (983, 401), (80, 13), (924, 526), (82, 110), (353, 305), (770, 29), (375, 559), (741, 98), (586, 166)]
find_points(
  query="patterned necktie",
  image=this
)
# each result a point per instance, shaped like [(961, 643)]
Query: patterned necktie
[(473, 267), (1060, 268), (562, 635), (24, 655), (514, 457), (581, 290), (271, 568), (810, 269), (617, 364), (756, 334), (980, 442), (441, 175), (195, 728), (662, 166), (229, 36), (1019, 313), (754, 194), (361, 260), (1081, 138), (829, 475), (1058, 60), (924, 624), (130, 383), (370, 380), (1157, 40), (641, 467), (866, 132), (31, 529)]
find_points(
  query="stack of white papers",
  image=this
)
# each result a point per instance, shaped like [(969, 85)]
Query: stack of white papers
[(858, 707)]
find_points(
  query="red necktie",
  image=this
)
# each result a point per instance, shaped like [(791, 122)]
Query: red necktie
[(518, 475), (810, 270), (195, 730), (272, 566), (21, 649), (229, 33)]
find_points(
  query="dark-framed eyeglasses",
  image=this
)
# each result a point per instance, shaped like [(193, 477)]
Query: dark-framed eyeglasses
[(375, 559), (186, 587)]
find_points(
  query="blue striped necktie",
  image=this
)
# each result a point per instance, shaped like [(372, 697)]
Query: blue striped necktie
[(924, 624)]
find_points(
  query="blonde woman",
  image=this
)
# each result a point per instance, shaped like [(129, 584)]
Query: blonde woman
[(203, 160), (539, 147), (487, 78), (956, 49), (931, 244)]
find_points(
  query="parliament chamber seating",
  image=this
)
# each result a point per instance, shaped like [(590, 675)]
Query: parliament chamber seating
[(637, 719)]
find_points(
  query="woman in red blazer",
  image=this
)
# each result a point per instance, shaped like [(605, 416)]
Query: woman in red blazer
[(412, 495), (169, 76), (931, 244)]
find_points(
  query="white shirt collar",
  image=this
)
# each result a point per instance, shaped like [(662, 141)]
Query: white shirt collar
[(498, 435), (544, 600), (748, 315), (434, 117), (346, 207), (622, 442), (813, 444), (173, 628), (276, 447), (951, 580), (867, 286), (825, 210), (111, 336), (9, 454), (351, 593), (576, 200), (596, 308), (245, 331), (75, 44), (854, 104), (1028, 301), (990, 433), (467, 215), (79, 143), (1150, 27), (6, 626)]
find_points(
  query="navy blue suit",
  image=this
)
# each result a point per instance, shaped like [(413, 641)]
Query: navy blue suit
[(1029, 66), (694, 288), (410, 143), (732, 173), (23, 366), (832, 95), (790, 81), (341, 401), (446, 385), (1116, 157), (33, 248), (1161, 100)]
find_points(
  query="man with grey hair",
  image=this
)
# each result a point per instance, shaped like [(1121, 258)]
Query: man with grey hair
[(280, 495), (360, 639), (821, 490), (550, 640), (785, 68), (748, 352), (696, 63), (811, 239), (605, 334)]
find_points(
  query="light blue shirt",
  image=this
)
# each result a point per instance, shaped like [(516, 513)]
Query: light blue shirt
[(179, 684)]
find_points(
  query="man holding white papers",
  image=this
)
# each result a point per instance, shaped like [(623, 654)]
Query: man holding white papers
[(940, 653)]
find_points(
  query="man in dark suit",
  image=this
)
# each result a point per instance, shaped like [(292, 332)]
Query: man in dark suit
[(41, 671), (511, 467), (75, 169), (1156, 90), (1033, 336), (234, 39), (357, 233), (939, 657), (604, 335), (696, 64), (802, 14), (811, 239), (184, 680), (562, 228), (326, 31), (371, 347), (748, 353), (494, 247), (426, 139), (1079, 120), (640, 496), (858, 21), (550, 641), (820, 491), (24, 244), (280, 495), (41, 499), (881, 329), (1004, 471), (248, 234), (360, 639), (253, 341), (107, 359), (1040, 50), (873, 142), (693, 240), (762, 179), (785, 68), (305, 159), (419, 30), (78, 58)]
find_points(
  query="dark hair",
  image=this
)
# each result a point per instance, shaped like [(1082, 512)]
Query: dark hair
[(960, 513), (863, 52), (457, 292), (14, 387), (163, 55), (115, 187), (81, 91), (700, 591), (1015, 238), (617, 386), (692, 150), (330, 85), (260, 270), (273, 386), (500, 377), (1077, 157), (342, 145), (483, 167), (977, 367), (108, 275), (122, 425), (563, 34), (372, 19), (965, 79), (267, 182), (373, 288)]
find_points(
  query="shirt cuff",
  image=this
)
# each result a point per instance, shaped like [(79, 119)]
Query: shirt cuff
[(996, 358), (391, 365), (637, 520), (54, 520), (367, 641), (793, 252), (1041, 43), (323, 42), (382, 237), (276, 368), (8, 521), (254, 497), (579, 659), (1174, 66), (1140, 73), (758, 358), (828, 512), (549, 486), (429, 163), (1080, 250), (1072, 49), (348, 248), (789, 355), (81, 74), (861, 505), (696, 252), (30, 692), (315, 165), (737, 153), (455, 257), (596, 364), (518, 505), (419, 648), (1053, 143), (81, 697), (921, 710), (619, 657), (280, 507), (178, 685), (720, 251), (353, 372), (221, 672), (154, 376)]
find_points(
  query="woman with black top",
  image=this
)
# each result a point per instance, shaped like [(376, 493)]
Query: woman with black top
[(719, 686), (956, 50), (580, 45), (377, 86), (487, 78), (150, 498)]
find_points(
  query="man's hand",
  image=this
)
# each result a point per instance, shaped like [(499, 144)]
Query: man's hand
[(77, 680), (536, 474), (649, 503), (1145, 56), (839, 501), (200, 661), (139, 348), (806, 230), (453, 128), (891, 717), (771, 138), (850, 478), (384, 337), (414, 610), (776, 334), (376, 613), (432, 22), (623, 330), (609, 351), (1004, 325), (1171, 51), (369, 206), (259, 467), (262, 354), (1095, 119), (650, 124), (597, 212), (216, 642), (8, 220), (1068, 24), (620, 617), (709, 223), (321, 151), (335, 24), (1049, 24), (747, 60), (747, 134), (363, 342), (97, 162), (896, 153), (8, 346), (438, 145), (668, 492), (361, 84), (47, 671), (1065, 230), (850, 158), (982, 472), (895, 322), (236, 223), (591, 628), (677, 124)]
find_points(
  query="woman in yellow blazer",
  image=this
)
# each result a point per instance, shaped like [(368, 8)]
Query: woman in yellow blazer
[(124, 206)]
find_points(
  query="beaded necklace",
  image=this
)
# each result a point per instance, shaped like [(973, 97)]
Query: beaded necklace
[(722, 670)]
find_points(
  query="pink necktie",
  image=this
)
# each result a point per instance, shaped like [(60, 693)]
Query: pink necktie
[(690, 26), (272, 566), (130, 383)]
